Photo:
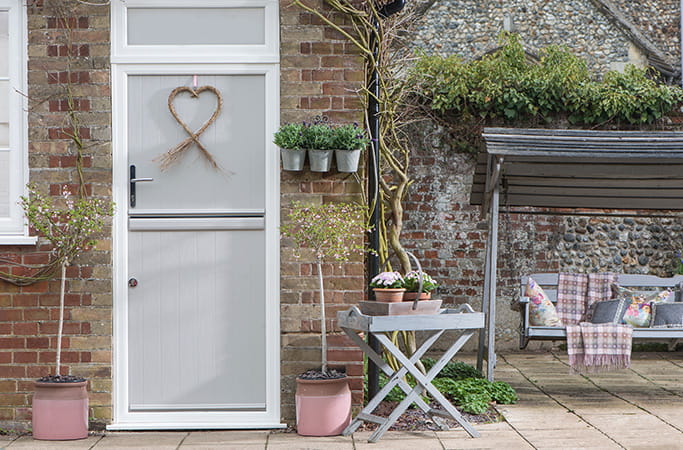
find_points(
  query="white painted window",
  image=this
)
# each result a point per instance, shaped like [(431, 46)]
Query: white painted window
[(13, 127)]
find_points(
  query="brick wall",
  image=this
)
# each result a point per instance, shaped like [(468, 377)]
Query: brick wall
[(28, 314), (320, 74), (448, 235)]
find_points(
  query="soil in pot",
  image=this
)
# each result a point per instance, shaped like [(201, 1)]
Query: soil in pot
[(60, 408)]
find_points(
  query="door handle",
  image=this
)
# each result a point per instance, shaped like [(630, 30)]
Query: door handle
[(133, 180)]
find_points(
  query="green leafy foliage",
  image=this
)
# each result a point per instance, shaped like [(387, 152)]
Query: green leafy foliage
[(474, 395), (349, 137), (456, 370), (290, 136), (332, 231), (463, 385), (69, 224), (318, 136), (508, 85), (412, 282)]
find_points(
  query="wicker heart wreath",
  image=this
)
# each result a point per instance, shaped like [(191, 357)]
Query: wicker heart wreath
[(172, 156)]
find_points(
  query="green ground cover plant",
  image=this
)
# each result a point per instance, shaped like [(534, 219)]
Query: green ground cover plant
[(463, 385)]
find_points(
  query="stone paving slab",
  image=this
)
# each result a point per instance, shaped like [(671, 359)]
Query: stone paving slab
[(587, 438), (291, 441), (27, 442), (251, 439), (142, 440), (640, 408), (399, 440)]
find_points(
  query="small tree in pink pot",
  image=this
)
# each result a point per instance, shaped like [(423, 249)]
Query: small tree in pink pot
[(60, 402), (331, 232)]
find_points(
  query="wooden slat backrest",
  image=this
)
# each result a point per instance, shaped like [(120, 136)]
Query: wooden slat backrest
[(548, 281)]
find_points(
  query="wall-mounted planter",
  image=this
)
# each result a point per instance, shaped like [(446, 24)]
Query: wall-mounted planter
[(320, 160), (347, 160), (293, 159)]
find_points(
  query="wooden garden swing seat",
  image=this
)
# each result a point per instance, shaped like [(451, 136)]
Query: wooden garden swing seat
[(549, 281), (572, 172)]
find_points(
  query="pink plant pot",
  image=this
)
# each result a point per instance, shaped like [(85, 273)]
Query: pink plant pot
[(60, 411), (323, 407)]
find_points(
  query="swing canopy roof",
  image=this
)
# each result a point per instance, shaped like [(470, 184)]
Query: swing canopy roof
[(581, 169)]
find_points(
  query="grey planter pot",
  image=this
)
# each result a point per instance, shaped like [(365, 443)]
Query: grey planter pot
[(320, 160), (293, 160), (347, 160)]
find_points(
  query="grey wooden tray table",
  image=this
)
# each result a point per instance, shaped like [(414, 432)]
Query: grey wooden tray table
[(353, 323)]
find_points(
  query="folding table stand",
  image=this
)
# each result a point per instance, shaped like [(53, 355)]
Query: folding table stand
[(353, 323)]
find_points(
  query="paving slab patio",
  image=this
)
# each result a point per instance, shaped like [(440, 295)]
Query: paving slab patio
[(639, 408)]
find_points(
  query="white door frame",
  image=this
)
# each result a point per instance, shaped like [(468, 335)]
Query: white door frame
[(123, 418)]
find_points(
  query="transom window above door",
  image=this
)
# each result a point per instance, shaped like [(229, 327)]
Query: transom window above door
[(194, 30)]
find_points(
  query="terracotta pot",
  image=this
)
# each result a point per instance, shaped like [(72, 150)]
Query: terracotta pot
[(389, 295), (60, 411), (410, 296), (323, 407)]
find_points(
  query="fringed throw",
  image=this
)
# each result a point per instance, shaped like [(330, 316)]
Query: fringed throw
[(571, 297), (576, 293), (602, 347)]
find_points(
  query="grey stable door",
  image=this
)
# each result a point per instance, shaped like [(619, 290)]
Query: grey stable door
[(196, 249)]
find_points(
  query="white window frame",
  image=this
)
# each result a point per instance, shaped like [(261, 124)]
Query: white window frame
[(122, 52), (14, 229)]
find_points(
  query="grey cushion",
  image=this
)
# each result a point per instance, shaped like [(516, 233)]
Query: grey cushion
[(609, 311), (667, 315)]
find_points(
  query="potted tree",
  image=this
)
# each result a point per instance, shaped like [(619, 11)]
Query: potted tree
[(289, 138), (330, 232), (60, 401), (348, 142)]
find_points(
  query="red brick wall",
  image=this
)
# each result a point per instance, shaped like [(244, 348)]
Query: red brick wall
[(320, 74), (28, 314), (319, 77)]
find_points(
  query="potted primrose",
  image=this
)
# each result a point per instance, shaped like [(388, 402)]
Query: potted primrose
[(415, 289), (388, 287), (60, 401), (348, 142), (331, 232)]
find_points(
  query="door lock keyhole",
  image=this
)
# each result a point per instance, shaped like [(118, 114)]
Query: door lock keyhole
[(132, 282)]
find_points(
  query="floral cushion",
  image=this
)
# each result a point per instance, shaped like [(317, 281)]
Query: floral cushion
[(542, 312), (639, 312)]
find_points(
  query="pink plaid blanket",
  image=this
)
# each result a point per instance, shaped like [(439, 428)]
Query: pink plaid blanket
[(598, 347), (571, 297), (576, 292)]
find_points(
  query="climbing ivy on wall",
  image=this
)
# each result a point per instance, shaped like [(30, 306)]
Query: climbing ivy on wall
[(509, 85)]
